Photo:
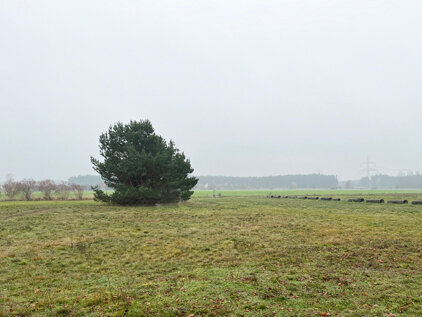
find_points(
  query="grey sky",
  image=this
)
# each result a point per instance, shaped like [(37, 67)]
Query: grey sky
[(242, 87)]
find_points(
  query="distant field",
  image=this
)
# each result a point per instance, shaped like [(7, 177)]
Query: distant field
[(245, 256), (89, 194), (320, 192)]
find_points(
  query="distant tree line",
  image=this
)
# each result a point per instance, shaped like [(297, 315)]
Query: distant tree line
[(393, 182), (49, 189), (229, 182), (87, 180), (268, 182)]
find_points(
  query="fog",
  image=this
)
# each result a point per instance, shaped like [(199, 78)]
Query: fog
[(244, 88)]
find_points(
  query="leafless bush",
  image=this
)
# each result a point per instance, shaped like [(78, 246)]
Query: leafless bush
[(62, 191), (27, 186), (78, 189), (47, 186), (11, 188)]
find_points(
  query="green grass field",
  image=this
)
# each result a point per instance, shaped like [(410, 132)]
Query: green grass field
[(89, 194), (321, 192), (242, 254)]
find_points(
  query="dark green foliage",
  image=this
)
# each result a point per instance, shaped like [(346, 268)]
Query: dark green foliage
[(141, 167), (100, 195)]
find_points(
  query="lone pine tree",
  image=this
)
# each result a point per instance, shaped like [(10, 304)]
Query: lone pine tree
[(141, 167)]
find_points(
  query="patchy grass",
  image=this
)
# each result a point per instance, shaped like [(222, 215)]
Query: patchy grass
[(88, 194), (248, 256)]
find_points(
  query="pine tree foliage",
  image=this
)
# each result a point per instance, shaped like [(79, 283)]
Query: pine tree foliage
[(141, 166)]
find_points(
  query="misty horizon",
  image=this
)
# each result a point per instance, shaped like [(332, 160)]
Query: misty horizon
[(201, 177)]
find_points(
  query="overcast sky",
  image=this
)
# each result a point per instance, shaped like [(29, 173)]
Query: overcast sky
[(244, 88)]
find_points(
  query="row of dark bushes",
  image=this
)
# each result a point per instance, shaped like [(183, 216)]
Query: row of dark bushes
[(356, 200), (49, 189)]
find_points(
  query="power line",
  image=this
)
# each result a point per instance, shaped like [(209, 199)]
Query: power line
[(369, 167)]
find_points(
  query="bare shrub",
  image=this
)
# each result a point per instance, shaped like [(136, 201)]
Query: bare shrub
[(62, 191), (11, 188), (27, 186), (79, 190), (47, 186)]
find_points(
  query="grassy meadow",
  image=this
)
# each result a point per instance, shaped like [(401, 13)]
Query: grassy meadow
[(239, 255)]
